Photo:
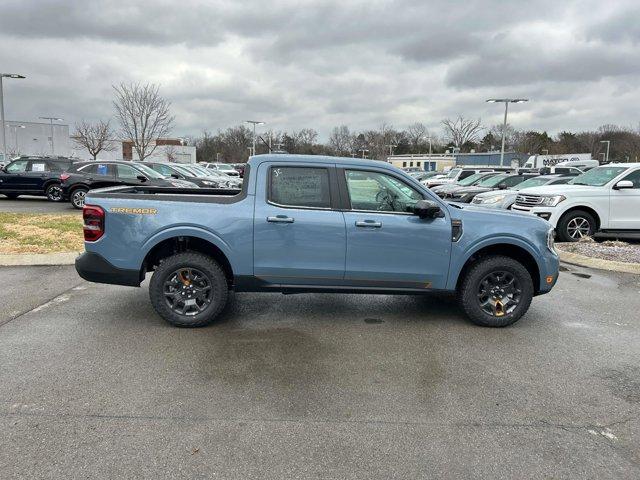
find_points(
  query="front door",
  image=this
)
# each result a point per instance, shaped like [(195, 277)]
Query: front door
[(298, 238), (14, 176), (388, 246), (624, 205)]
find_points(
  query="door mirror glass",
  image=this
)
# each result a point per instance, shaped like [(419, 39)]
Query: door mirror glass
[(427, 209), (622, 184)]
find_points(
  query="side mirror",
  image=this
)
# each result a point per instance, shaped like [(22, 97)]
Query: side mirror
[(427, 209), (142, 178), (502, 186), (175, 175), (622, 184)]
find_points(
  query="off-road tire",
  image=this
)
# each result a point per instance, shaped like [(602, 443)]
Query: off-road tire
[(468, 292), (563, 225), (54, 192), (73, 197), (204, 264)]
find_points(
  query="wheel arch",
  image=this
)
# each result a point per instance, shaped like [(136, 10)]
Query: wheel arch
[(506, 249), (192, 241), (585, 208)]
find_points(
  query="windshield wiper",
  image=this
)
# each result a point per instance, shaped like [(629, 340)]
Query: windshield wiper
[(580, 183)]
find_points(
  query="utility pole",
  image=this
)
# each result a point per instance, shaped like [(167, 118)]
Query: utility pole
[(15, 133), (51, 120), (391, 147), (363, 150), (2, 125), (506, 102), (254, 123)]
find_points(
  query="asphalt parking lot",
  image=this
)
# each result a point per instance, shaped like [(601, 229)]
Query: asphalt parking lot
[(94, 385), (28, 204)]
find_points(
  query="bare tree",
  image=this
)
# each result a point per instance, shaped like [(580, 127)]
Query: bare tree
[(462, 130), (171, 153), (341, 140), (416, 134), (143, 114), (95, 137)]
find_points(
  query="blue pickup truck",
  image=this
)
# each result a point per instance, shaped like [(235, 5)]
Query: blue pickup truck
[(314, 224)]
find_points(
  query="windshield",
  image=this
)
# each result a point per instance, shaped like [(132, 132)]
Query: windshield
[(453, 173), (472, 179), (183, 170), (149, 172), (224, 166), (533, 182), (493, 181), (206, 171), (598, 177)]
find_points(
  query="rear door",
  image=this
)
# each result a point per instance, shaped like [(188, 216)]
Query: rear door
[(299, 238), (99, 174), (625, 204), (35, 176), (387, 245)]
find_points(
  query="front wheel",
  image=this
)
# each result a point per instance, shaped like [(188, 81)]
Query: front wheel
[(54, 192), (496, 291), (188, 289), (77, 198), (576, 225)]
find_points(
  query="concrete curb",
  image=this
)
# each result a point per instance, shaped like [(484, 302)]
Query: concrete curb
[(609, 265), (33, 259)]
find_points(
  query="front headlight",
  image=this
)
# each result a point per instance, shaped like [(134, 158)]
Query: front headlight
[(492, 199), (553, 200), (551, 234)]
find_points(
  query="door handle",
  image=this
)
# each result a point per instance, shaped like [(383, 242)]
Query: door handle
[(280, 219), (369, 224)]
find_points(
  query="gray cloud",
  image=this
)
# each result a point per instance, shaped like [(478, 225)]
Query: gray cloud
[(327, 62)]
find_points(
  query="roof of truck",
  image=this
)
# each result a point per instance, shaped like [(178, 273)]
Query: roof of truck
[(257, 159)]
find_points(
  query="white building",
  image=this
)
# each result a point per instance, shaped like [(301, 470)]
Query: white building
[(435, 162), (35, 138), (168, 150)]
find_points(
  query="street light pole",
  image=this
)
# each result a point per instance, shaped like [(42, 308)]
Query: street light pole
[(608, 142), (254, 123), (506, 102), (2, 124), (51, 120)]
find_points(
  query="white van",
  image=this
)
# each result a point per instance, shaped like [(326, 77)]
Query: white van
[(578, 160)]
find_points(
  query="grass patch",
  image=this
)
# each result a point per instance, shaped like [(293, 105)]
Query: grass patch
[(40, 233)]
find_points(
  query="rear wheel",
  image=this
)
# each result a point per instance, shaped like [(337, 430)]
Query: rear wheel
[(188, 290), (496, 291), (77, 197), (54, 192), (576, 225)]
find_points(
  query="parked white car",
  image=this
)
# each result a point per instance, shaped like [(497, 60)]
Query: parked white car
[(454, 175), (224, 168), (605, 199)]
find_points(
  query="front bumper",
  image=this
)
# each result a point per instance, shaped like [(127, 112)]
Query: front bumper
[(550, 214), (93, 267)]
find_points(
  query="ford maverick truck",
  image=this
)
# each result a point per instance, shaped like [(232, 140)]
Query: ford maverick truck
[(314, 224)]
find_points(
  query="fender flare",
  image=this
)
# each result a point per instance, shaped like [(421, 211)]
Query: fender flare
[(182, 231), (455, 270)]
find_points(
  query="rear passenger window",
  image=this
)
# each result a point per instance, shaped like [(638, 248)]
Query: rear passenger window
[(39, 167), (299, 187)]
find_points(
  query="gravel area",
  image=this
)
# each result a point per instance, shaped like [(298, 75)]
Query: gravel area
[(609, 250)]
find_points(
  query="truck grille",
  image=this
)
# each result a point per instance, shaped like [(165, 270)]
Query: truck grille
[(528, 200)]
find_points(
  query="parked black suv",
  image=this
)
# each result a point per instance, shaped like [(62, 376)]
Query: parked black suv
[(85, 176), (34, 176)]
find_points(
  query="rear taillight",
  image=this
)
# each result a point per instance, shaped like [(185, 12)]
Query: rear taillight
[(93, 217), (64, 176)]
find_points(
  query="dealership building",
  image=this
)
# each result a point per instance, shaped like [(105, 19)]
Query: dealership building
[(439, 162)]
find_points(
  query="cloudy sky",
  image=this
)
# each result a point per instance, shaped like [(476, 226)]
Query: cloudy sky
[(297, 63)]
